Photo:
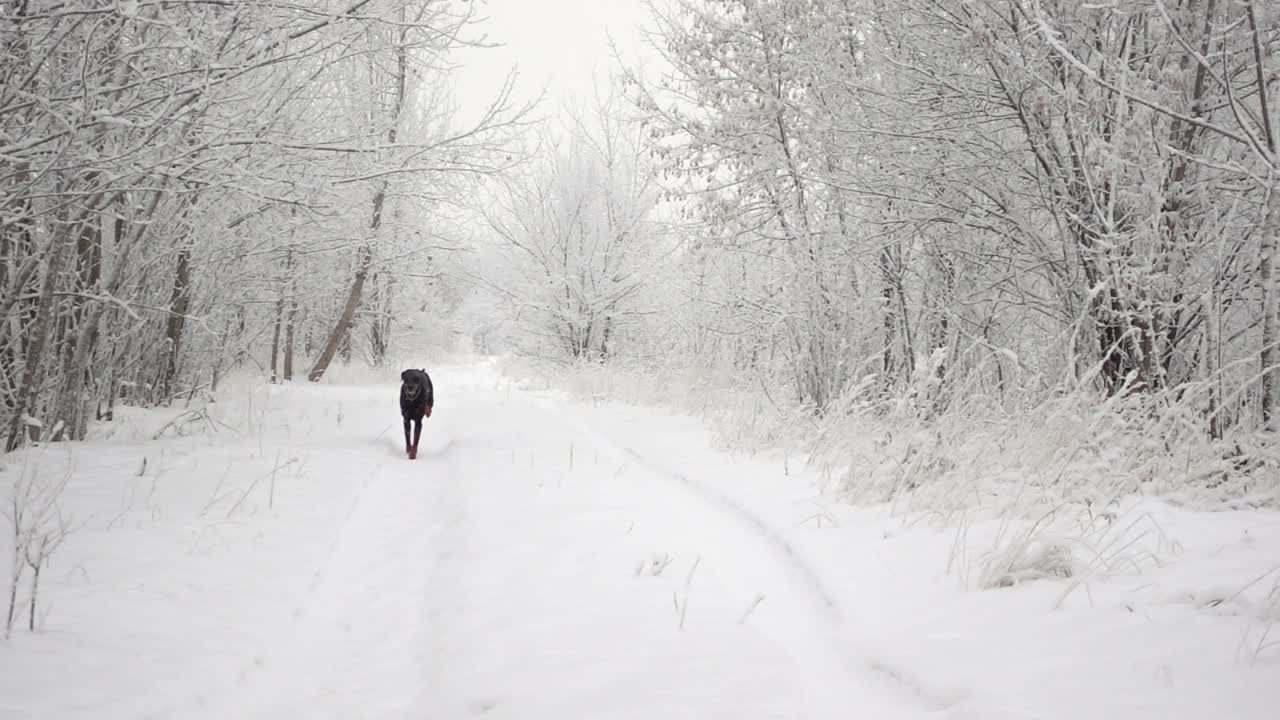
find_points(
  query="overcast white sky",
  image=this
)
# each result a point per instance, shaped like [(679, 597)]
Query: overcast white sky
[(557, 43)]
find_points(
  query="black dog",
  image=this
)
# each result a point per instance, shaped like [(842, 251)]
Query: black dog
[(416, 398)]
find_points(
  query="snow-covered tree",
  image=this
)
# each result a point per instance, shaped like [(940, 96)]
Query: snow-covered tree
[(576, 237), (952, 194)]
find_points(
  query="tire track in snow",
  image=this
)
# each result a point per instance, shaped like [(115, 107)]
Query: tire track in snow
[(803, 571), (798, 611), (898, 677), (441, 596), (359, 645)]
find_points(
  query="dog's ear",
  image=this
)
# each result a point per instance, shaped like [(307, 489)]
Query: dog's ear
[(406, 375)]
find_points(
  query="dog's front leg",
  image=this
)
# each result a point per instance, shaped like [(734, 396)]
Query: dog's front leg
[(417, 433), (407, 446)]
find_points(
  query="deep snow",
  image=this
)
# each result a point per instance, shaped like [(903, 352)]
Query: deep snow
[(546, 559)]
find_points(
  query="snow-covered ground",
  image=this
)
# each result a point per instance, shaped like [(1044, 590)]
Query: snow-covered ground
[(278, 557)]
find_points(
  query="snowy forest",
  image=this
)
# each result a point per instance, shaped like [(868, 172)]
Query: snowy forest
[(817, 359), (962, 211)]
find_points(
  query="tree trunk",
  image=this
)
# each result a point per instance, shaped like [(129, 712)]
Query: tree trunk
[(16, 239), (380, 326), (1270, 354), (891, 323), (32, 374), (1212, 361), (363, 261), (179, 302), (19, 280), (344, 348), (275, 338), (291, 319), (82, 333)]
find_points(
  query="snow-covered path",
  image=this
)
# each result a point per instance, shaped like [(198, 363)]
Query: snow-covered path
[(540, 560), (521, 569)]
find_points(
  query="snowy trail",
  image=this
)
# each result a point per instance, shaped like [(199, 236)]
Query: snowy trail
[(526, 567), (548, 560), (539, 590), (548, 531), (358, 646)]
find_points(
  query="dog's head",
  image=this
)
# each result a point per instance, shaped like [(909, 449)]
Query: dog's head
[(412, 383)]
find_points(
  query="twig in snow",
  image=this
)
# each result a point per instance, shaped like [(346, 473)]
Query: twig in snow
[(39, 547), (818, 518), (271, 490), (192, 414), (244, 495), (688, 579), (751, 608), (215, 497), (38, 528)]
